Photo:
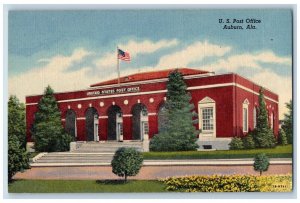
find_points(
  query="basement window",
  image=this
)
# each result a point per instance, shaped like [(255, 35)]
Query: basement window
[(207, 146)]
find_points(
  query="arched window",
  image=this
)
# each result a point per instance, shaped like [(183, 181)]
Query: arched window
[(245, 116), (254, 117), (162, 117), (207, 117), (272, 120)]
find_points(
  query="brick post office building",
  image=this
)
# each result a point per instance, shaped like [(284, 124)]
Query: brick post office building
[(131, 111)]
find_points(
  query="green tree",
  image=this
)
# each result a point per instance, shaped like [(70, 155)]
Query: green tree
[(262, 134), (179, 132), (248, 141), (236, 143), (282, 137), (16, 120), (287, 125), (261, 163), (127, 162), (18, 159), (48, 132)]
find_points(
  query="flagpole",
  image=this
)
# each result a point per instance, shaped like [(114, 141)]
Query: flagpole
[(118, 65)]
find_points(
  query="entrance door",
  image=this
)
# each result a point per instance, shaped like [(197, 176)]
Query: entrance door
[(91, 124), (139, 121), (115, 123)]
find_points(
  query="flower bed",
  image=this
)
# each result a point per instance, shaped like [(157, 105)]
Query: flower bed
[(230, 183)]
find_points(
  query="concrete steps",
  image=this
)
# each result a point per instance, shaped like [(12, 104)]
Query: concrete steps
[(96, 147), (90, 153), (60, 157)]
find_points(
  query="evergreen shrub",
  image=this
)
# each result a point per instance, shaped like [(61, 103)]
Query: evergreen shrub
[(236, 143)]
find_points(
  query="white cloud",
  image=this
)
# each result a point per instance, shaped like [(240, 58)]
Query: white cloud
[(281, 85), (53, 73), (192, 53), (249, 60), (134, 48), (147, 46), (270, 57)]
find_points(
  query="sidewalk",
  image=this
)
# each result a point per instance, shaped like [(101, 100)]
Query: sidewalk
[(158, 169), (187, 162)]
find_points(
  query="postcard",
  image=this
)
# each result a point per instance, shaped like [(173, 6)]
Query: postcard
[(148, 100)]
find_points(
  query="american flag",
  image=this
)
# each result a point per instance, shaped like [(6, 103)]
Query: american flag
[(123, 55)]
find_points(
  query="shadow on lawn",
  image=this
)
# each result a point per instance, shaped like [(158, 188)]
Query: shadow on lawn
[(112, 182)]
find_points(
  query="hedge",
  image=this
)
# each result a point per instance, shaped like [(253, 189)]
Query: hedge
[(229, 183)]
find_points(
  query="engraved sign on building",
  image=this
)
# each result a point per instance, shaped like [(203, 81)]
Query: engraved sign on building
[(113, 91)]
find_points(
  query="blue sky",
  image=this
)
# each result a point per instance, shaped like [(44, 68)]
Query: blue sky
[(81, 44)]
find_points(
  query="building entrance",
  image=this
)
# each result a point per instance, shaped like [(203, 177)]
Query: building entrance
[(140, 124), (115, 123), (91, 123)]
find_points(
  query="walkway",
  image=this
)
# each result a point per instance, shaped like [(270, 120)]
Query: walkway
[(150, 171)]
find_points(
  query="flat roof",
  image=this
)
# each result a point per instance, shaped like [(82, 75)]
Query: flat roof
[(150, 75)]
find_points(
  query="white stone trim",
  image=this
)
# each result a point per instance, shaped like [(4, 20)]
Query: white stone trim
[(152, 114), (80, 118), (112, 96), (63, 119), (214, 138), (30, 104), (211, 86), (206, 100), (127, 115), (40, 155), (249, 90), (101, 117), (161, 91)]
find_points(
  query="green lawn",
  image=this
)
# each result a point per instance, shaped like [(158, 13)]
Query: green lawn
[(84, 186), (278, 152)]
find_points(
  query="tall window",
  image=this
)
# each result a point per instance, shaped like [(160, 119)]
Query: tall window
[(272, 120), (254, 117), (162, 117), (207, 117), (245, 116)]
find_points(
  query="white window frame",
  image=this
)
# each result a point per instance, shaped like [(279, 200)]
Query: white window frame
[(207, 102), (245, 107)]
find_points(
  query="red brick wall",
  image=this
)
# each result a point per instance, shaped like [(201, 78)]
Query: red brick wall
[(229, 101)]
